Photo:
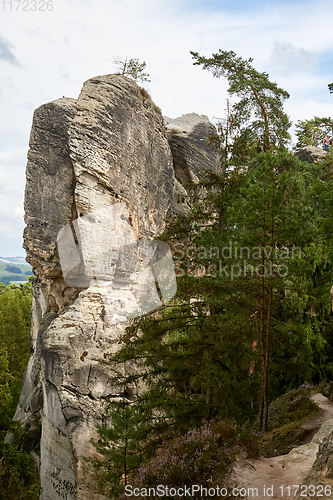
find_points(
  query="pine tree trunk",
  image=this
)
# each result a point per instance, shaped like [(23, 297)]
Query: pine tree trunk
[(268, 340), (263, 402), (209, 394)]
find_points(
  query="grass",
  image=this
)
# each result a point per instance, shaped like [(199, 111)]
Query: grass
[(287, 414)]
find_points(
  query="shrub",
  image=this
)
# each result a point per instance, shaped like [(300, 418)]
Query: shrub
[(327, 390), (202, 456), (294, 405), (17, 479), (145, 94), (193, 458)]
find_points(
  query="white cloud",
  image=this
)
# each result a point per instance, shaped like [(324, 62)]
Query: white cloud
[(12, 164), (287, 59), (58, 50), (6, 52)]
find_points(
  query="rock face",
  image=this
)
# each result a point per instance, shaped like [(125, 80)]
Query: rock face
[(107, 147), (119, 153), (321, 473), (188, 137), (311, 154)]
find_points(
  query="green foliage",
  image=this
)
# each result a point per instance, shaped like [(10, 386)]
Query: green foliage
[(243, 325), (313, 132), (17, 478), (132, 68), (260, 108), (286, 416), (6, 398), (121, 445), (294, 405), (330, 88), (252, 314), (278, 217), (15, 306), (201, 456)]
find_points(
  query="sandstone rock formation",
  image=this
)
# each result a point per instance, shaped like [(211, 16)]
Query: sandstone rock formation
[(188, 138), (320, 475), (311, 154), (107, 147)]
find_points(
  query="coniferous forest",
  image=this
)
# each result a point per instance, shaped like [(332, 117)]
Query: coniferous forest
[(236, 354)]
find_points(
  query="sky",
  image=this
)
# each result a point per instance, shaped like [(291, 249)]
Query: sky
[(48, 48)]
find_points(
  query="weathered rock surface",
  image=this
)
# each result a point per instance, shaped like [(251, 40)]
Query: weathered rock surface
[(311, 154), (188, 137), (49, 205), (321, 472), (107, 147), (119, 153)]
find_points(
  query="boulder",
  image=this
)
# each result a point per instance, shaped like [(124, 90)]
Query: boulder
[(311, 154), (119, 153), (188, 138), (321, 473)]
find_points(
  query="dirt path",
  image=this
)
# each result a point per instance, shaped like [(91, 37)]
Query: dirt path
[(274, 477)]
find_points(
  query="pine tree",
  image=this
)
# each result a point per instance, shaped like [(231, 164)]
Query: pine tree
[(121, 443), (260, 108), (275, 222), (252, 270), (132, 68)]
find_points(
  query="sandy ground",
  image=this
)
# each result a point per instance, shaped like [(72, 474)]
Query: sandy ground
[(274, 477)]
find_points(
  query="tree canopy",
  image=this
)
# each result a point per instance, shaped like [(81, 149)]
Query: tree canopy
[(312, 132), (260, 105), (17, 476)]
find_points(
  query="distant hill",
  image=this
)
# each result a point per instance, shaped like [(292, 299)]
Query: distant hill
[(14, 269), (14, 260)]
